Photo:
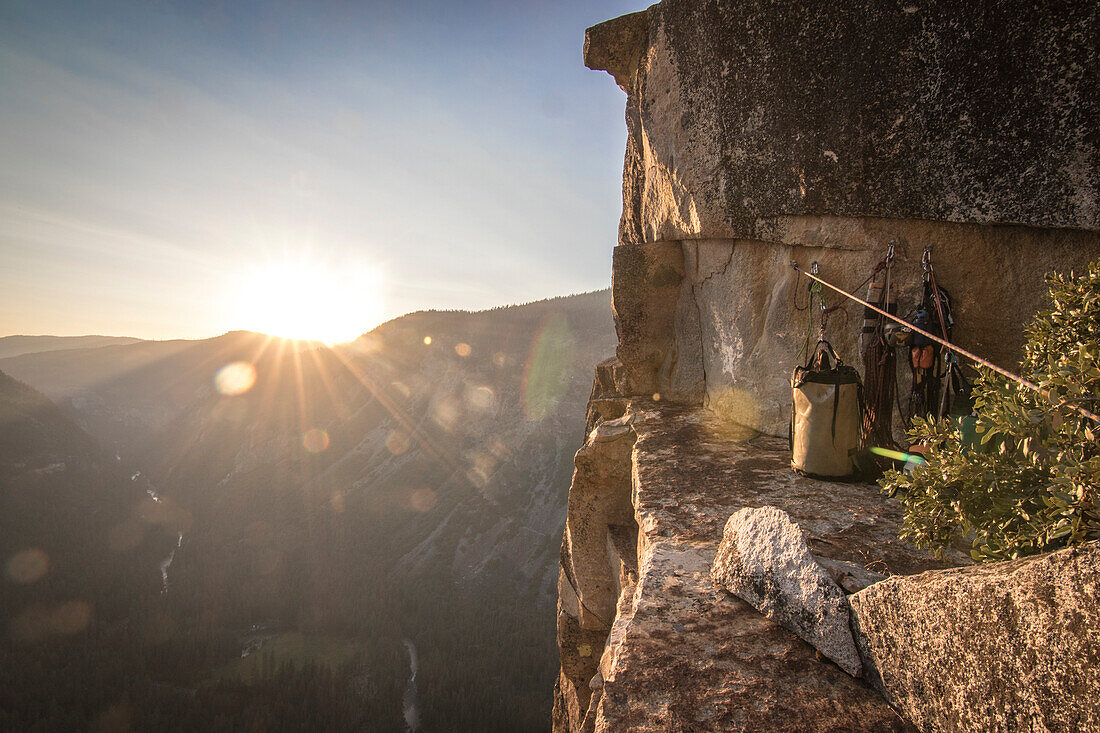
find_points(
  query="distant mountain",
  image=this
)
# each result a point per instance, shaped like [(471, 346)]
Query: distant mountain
[(456, 454), (16, 345), (408, 485), (124, 393), (33, 431)]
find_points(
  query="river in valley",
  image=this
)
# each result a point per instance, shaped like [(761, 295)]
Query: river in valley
[(166, 562), (408, 702)]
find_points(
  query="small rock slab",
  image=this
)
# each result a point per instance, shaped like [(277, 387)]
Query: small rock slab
[(764, 560)]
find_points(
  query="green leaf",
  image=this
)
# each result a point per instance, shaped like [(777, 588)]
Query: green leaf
[(1039, 489)]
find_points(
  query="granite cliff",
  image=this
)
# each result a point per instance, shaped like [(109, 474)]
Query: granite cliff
[(759, 134)]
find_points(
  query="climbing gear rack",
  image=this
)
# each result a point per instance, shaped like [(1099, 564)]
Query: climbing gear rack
[(1084, 412), (930, 363)]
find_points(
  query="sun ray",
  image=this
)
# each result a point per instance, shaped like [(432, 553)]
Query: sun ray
[(300, 392), (259, 352), (421, 438), (324, 376)]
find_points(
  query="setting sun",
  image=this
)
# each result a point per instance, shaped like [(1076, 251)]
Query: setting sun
[(308, 301)]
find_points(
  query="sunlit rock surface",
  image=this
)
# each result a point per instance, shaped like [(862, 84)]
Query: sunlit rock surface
[(682, 652), (764, 559), (738, 112), (1001, 647)]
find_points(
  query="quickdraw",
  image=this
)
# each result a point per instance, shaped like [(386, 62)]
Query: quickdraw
[(814, 290), (925, 362), (937, 374)]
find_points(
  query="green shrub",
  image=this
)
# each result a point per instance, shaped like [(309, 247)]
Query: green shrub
[(1032, 484)]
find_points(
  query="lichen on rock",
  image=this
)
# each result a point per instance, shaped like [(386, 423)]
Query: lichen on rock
[(1002, 646)]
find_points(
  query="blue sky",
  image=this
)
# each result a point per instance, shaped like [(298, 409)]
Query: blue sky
[(158, 155)]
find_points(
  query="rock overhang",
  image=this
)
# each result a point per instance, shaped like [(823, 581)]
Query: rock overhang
[(938, 111)]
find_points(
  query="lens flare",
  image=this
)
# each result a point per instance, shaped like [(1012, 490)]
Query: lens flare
[(38, 622), (735, 414), (235, 378), (423, 499), (549, 364), (447, 413), (71, 617), (27, 566), (480, 398), (315, 440), (398, 442)]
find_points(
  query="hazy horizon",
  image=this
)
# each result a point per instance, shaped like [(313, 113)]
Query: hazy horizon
[(262, 333), (176, 170)]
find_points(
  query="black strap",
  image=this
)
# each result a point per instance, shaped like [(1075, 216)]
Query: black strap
[(836, 407), (824, 348), (790, 429)]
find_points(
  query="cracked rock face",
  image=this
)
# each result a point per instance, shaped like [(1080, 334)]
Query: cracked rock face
[(764, 560), (739, 112)]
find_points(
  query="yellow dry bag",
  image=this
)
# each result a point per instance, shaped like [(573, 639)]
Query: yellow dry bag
[(827, 403)]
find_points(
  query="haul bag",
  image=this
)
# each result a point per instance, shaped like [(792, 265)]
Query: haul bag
[(827, 404)]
